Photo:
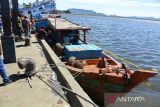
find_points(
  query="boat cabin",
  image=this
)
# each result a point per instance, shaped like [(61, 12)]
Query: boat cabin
[(65, 28), (72, 37)]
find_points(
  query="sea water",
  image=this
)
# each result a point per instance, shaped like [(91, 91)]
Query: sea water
[(136, 40)]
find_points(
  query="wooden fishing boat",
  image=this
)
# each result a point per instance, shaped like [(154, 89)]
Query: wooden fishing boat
[(96, 78), (96, 71)]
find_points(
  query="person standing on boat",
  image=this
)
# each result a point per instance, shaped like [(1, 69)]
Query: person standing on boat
[(33, 22), (50, 38), (75, 39), (3, 74), (26, 26)]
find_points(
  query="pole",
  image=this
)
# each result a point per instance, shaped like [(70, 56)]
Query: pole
[(6, 17), (84, 36), (15, 6), (14, 17), (8, 41), (55, 21)]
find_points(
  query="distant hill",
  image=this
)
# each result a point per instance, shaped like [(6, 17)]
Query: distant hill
[(83, 11), (91, 12), (136, 17), (145, 18)]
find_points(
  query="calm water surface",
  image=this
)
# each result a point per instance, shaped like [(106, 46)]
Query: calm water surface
[(135, 40)]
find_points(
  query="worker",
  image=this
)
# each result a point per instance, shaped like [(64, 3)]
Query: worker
[(26, 26), (50, 37), (3, 74), (75, 40), (20, 28)]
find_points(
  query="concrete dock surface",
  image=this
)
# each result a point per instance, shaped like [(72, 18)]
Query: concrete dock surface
[(19, 93)]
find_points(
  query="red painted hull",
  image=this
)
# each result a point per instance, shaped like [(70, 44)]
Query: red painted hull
[(96, 84)]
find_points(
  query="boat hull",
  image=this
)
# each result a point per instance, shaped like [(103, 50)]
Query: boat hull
[(96, 85)]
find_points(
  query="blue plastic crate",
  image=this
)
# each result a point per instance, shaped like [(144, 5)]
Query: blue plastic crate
[(82, 51)]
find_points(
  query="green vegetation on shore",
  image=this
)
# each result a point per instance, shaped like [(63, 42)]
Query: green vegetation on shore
[(63, 11)]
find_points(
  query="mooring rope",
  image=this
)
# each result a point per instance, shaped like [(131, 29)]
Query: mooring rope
[(122, 59), (119, 57), (76, 75), (29, 82), (41, 78)]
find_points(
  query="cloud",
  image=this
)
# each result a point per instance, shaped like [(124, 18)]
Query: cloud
[(114, 3), (118, 7)]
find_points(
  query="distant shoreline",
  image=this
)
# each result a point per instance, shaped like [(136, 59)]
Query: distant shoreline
[(112, 16), (84, 14)]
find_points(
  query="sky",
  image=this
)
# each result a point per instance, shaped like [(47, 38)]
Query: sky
[(144, 8)]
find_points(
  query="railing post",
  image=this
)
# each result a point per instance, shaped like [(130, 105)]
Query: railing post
[(85, 40)]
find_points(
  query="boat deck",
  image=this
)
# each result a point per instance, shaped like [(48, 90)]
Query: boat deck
[(64, 24)]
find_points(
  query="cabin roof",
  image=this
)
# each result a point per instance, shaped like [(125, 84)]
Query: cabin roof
[(64, 24)]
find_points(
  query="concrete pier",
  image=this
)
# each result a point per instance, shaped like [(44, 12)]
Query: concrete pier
[(20, 94), (67, 80)]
